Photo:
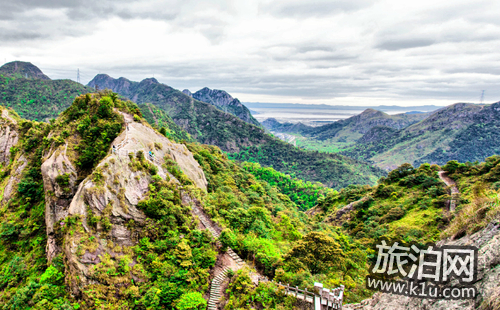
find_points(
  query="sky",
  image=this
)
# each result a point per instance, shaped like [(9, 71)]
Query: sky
[(346, 52)]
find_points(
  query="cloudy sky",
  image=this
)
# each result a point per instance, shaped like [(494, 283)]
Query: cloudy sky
[(356, 52)]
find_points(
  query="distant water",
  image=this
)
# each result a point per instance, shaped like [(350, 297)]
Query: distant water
[(317, 117)]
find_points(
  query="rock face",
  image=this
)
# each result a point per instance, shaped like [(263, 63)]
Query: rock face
[(225, 102), (488, 287), (23, 69), (9, 137), (102, 210), (59, 180)]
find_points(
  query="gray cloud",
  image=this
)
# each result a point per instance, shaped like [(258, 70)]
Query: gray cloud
[(394, 45), (289, 49), (306, 9)]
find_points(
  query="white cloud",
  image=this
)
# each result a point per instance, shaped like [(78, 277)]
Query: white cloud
[(338, 52)]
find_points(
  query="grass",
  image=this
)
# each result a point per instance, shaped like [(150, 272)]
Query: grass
[(474, 216)]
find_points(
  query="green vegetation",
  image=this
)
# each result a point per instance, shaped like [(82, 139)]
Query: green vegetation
[(260, 210), (333, 170), (26, 280), (479, 203), (304, 194), (37, 99), (163, 123), (264, 225)]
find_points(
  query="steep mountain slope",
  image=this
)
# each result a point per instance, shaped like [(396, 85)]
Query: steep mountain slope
[(243, 141), (36, 97), (462, 131), (343, 134), (21, 69), (224, 102)]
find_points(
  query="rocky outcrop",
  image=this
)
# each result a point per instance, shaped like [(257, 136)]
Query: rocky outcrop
[(8, 136), (102, 210), (224, 102), (187, 92), (488, 284), (59, 180)]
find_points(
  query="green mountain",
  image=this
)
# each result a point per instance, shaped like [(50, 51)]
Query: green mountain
[(36, 97), (90, 220), (464, 132), (243, 141), (21, 69), (225, 102), (343, 134)]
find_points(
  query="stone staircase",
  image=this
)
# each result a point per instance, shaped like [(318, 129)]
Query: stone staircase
[(215, 289), (215, 286)]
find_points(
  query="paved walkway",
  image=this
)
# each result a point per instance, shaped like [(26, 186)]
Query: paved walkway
[(453, 188)]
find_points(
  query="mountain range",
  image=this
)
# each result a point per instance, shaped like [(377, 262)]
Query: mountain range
[(462, 131), (241, 140), (42, 99)]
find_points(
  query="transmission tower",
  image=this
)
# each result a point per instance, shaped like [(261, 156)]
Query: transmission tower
[(78, 75), (482, 97)]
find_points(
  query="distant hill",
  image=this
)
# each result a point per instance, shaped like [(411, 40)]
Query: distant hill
[(36, 97), (463, 132), (243, 141), (225, 102), (21, 69), (343, 134)]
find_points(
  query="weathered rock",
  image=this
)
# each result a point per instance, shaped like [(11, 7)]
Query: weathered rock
[(57, 196), (8, 136), (224, 102), (14, 178)]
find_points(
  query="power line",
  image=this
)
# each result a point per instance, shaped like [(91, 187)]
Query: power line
[(78, 75), (482, 97)]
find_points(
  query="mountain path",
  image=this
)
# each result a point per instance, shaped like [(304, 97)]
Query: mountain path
[(453, 188)]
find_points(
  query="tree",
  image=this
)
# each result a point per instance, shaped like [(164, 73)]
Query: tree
[(318, 252)]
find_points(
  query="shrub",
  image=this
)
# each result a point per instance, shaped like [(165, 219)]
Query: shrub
[(191, 301)]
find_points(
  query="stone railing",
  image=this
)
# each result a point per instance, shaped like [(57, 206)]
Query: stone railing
[(322, 298)]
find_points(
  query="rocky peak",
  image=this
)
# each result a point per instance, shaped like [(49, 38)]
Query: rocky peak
[(225, 102), (103, 207), (104, 81), (23, 69), (187, 92)]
